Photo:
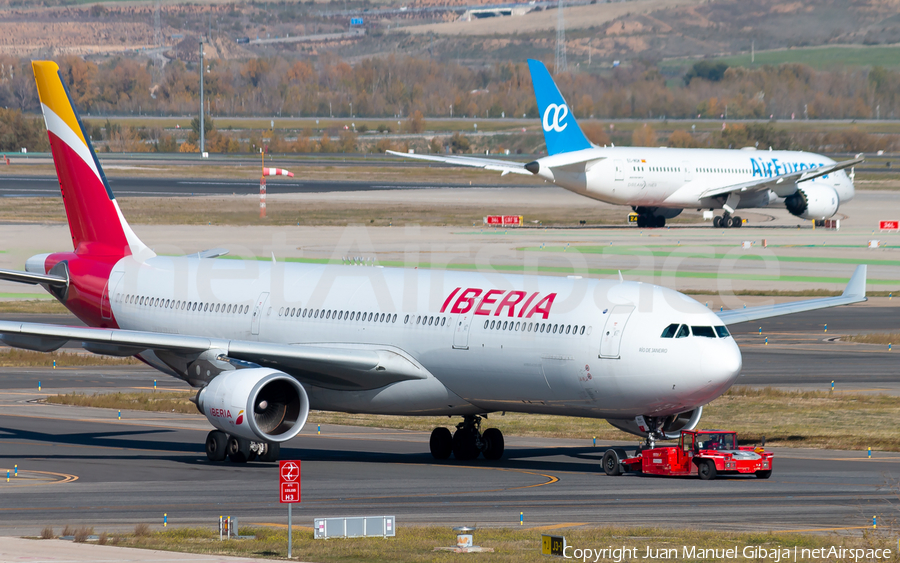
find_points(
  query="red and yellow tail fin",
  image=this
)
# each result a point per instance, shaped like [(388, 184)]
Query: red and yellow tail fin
[(95, 220)]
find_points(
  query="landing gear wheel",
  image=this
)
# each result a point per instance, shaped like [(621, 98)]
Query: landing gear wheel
[(642, 222), (493, 440), (717, 222), (441, 443), (659, 222), (611, 463), (727, 221), (706, 470), (216, 442), (238, 449), (271, 453), (737, 222), (465, 447), (764, 474)]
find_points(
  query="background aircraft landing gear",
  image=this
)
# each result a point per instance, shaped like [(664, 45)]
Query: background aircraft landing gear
[(650, 221), (468, 442), (727, 221)]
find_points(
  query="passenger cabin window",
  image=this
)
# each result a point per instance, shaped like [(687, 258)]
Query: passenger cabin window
[(669, 331), (705, 331), (722, 331)]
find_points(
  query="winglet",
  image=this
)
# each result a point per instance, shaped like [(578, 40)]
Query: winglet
[(856, 287)]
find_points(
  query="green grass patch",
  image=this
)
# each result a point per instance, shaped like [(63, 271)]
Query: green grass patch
[(813, 419)]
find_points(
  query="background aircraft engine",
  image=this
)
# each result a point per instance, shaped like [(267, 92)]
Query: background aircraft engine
[(258, 404), (813, 202), (671, 425)]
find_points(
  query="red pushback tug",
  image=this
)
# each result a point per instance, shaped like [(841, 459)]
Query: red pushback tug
[(705, 453)]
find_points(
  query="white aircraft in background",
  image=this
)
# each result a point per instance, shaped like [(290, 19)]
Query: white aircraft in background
[(265, 342), (658, 183)]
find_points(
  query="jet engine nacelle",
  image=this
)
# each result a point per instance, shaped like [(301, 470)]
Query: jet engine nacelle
[(813, 202), (259, 404), (671, 425)]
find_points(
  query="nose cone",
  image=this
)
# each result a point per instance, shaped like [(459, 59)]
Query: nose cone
[(720, 364)]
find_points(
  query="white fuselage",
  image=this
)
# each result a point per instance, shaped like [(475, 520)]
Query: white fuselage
[(676, 178), (538, 344)]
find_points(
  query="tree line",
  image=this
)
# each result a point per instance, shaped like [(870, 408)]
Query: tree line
[(417, 89)]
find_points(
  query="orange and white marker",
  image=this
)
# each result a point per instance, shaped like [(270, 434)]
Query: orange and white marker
[(277, 172)]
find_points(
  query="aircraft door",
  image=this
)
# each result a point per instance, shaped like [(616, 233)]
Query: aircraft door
[(620, 169), (461, 332), (688, 172), (612, 332), (111, 285), (258, 309)]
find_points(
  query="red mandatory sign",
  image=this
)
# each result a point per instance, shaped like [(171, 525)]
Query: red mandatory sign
[(889, 225), (289, 481)]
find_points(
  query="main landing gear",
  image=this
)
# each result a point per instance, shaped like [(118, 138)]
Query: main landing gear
[(727, 221), (220, 445), (645, 221), (468, 442)]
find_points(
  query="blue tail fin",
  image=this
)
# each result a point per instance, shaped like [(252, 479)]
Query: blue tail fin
[(561, 132)]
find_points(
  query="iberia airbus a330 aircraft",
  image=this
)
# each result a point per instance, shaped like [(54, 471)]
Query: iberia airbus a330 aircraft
[(658, 183), (264, 342)]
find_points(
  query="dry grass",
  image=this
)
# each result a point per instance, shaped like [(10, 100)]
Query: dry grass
[(82, 533), (142, 530), (417, 543), (813, 419), (16, 357), (230, 210), (47, 533), (883, 338), (153, 401), (34, 306), (68, 531)]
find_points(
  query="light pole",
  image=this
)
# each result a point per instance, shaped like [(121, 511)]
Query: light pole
[(202, 122)]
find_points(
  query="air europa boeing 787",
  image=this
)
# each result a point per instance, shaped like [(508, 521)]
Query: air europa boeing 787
[(264, 342), (658, 183)]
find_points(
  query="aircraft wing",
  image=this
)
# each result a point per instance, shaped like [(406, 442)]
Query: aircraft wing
[(504, 166), (353, 367), (855, 292), (775, 181)]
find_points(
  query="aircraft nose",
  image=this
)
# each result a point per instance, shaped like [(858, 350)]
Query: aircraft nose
[(721, 364)]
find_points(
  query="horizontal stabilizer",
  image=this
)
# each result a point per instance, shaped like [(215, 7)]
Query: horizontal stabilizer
[(33, 279)]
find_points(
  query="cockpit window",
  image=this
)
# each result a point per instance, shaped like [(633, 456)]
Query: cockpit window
[(706, 331), (683, 332), (722, 331), (669, 331)]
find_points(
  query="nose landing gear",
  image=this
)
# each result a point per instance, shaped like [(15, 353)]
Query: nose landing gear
[(468, 442)]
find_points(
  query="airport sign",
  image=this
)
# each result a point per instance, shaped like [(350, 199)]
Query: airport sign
[(289, 481), (889, 225), (553, 545)]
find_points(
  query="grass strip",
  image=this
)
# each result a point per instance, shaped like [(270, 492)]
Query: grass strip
[(16, 357), (812, 419), (510, 544), (40, 306), (884, 338)]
